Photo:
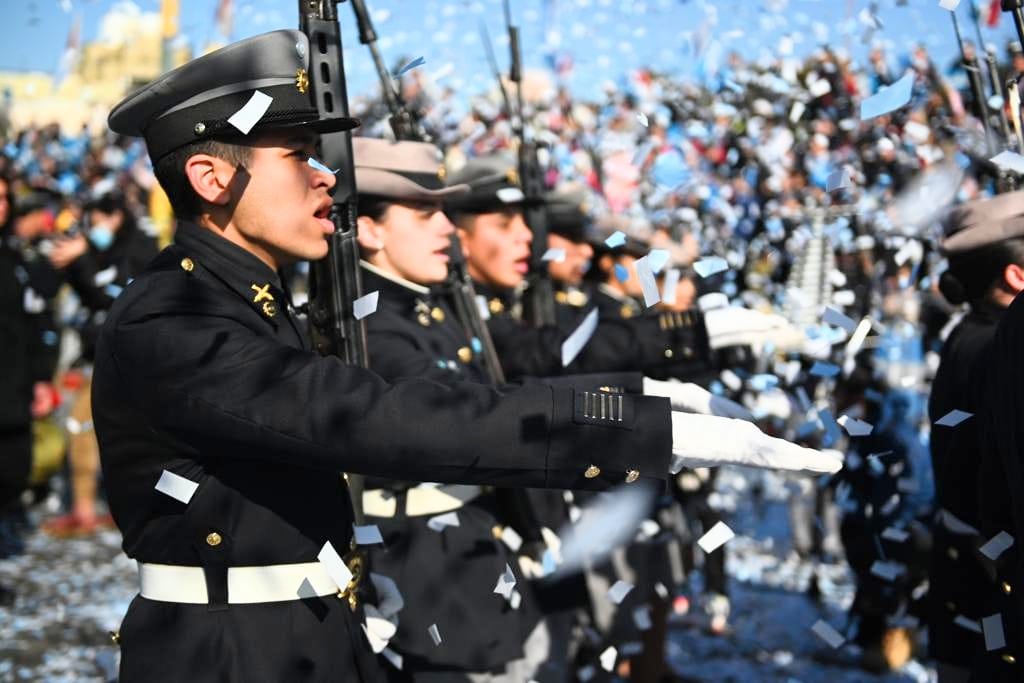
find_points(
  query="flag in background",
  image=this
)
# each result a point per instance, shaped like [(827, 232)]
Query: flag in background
[(72, 49), (994, 12)]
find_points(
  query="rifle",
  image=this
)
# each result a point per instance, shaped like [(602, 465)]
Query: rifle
[(334, 281), (406, 127), (977, 88), (539, 298)]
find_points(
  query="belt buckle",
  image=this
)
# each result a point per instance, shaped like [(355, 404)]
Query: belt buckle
[(356, 562)]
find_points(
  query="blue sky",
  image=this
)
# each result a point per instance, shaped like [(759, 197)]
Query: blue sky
[(605, 37)]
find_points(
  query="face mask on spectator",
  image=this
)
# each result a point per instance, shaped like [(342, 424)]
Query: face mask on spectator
[(101, 236)]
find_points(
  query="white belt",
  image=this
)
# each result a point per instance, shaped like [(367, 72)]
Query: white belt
[(272, 583), (419, 501)]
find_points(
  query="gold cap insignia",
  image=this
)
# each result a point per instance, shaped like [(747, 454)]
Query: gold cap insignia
[(442, 173), (512, 176), (302, 81)]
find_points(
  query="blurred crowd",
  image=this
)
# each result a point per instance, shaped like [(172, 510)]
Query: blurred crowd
[(765, 164)]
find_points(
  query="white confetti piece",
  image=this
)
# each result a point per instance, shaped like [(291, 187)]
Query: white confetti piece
[(511, 538), (826, 632), (888, 99), (1009, 161), (642, 118), (889, 571), (439, 522), (335, 566), (969, 624), (820, 87), (176, 486), (645, 272), (608, 658), (661, 590), (510, 195), (949, 4), (992, 627), (515, 600), (619, 590), (435, 635), (953, 418), (707, 267), (616, 239), (249, 115), (837, 180), (895, 535), (668, 288), (855, 427), (506, 582), (710, 302), (996, 545), (642, 618), (367, 535), (379, 631), (715, 537), (575, 342), (833, 316), (555, 255), (797, 111), (393, 657), (365, 305)]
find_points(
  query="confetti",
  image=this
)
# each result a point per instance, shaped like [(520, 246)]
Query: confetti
[(1009, 161), (949, 4), (439, 522), (319, 165), (834, 316), (617, 239), (249, 115), (335, 566), (367, 535), (826, 632), (642, 618), (642, 118), (715, 537), (820, 87), (884, 569), (855, 427), (435, 635), (832, 432), (657, 258), (607, 521), (618, 591), (837, 180), (506, 582), (707, 267), (510, 195), (668, 288), (797, 111), (888, 99), (996, 545), (710, 302), (176, 486), (969, 624), (555, 255), (575, 342), (621, 272), (895, 535), (992, 627), (645, 271), (365, 305), (822, 369), (419, 61), (953, 418), (511, 538), (393, 657), (608, 658)]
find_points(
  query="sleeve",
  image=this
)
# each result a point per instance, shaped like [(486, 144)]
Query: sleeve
[(212, 382), (81, 275)]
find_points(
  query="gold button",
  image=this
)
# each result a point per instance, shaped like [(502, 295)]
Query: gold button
[(213, 539), (437, 313), (1009, 659), (668, 353), (497, 530), (592, 472), (626, 312), (423, 319), (465, 354), (1007, 588), (115, 637), (576, 298), (495, 306), (199, 128), (687, 352), (187, 265), (953, 554), (632, 475)]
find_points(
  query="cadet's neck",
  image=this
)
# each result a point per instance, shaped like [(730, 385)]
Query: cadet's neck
[(232, 234)]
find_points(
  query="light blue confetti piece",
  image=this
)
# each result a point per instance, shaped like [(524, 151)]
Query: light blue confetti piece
[(822, 369), (953, 418), (647, 281), (554, 255), (621, 272), (113, 291), (657, 258), (707, 267), (318, 165), (962, 160), (617, 239), (888, 99), (832, 431), (476, 345), (365, 305), (763, 382), (419, 61), (11, 149)]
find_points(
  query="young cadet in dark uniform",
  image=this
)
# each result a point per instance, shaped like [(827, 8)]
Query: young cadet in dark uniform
[(222, 434), (203, 379), (986, 270)]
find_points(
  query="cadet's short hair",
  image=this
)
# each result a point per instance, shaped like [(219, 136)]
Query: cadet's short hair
[(972, 275), (170, 172)]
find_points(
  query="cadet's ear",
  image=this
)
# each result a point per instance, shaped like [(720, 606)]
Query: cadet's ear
[(368, 234), (210, 178), (1013, 275)]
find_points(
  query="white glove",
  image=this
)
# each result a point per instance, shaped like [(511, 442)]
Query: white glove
[(691, 398), (734, 326), (707, 441), (382, 619)]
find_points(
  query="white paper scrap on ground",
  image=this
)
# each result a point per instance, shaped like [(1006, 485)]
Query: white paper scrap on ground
[(992, 627), (553, 254), (826, 632), (619, 590), (996, 545), (435, 635), (251, 113), (176, 486), (439, 522), (608, 658), (953, 418), (575, 342), (367, 535), (365, 305), (506, 582), (715, 537), (335, 566)]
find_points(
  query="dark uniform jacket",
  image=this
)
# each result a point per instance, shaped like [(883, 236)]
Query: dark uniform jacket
[(201, 370), (958, 581)]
